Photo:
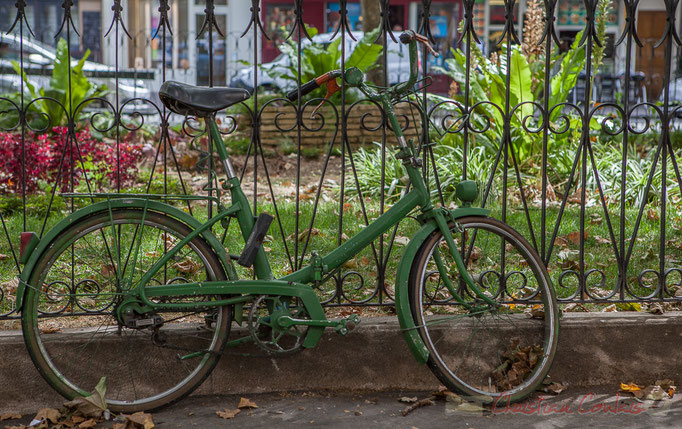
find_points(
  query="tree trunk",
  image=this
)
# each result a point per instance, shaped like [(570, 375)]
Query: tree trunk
[(371, 18), (371, 14)]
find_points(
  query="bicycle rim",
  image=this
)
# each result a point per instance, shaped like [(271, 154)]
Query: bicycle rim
[(69, 321), (488, 355)]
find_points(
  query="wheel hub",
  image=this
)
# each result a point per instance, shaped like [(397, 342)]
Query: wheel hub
[(133, 315)]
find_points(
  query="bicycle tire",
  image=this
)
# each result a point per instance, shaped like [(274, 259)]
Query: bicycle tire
[(497, 355), (89, 343)]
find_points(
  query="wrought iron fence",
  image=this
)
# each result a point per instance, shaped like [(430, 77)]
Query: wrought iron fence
[(581, 158)]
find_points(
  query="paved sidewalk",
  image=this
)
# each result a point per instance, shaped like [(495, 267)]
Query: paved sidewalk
[(595, 349), (575, 408)]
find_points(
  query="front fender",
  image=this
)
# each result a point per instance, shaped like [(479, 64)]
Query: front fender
[(114, 204), (402, 295)]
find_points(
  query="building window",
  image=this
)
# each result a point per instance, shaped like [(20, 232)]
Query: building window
[(443, 22), (354, 11)]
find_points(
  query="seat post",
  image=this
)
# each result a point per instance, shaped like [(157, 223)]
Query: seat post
[(217, 139)]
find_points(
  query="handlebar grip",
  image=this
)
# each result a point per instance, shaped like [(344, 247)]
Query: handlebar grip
[(305, 89), (406, 37)]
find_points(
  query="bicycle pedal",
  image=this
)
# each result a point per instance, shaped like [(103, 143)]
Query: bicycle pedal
[(260, 228), (346, 325), (352, 322)]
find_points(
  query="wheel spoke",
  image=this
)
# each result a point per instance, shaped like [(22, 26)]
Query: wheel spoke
[(488, 351), (141, 366)]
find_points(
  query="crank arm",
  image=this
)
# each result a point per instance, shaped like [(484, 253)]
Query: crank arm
[(287, 321), (342, 326)]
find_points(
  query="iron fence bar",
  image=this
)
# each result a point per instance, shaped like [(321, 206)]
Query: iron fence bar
[(549, 35), (338, 279), (584, 172), (383, 34), (630, 33)]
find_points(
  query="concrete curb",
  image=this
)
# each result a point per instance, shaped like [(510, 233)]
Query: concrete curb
[(595, 349)]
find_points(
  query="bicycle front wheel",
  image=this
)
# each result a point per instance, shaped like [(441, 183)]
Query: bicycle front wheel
[(489, 354), (70, 321)]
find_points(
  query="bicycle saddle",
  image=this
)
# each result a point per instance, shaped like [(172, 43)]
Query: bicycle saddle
[(201, 101)]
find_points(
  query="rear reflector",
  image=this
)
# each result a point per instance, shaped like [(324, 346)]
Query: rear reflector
[(29, 241)]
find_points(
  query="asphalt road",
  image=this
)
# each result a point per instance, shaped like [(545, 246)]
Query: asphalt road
[(570, 409)]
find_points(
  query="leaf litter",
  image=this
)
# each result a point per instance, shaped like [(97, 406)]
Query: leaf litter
[(83, 413), (228, 414), (453, 401), (659, 391), (10, 416), (244, 403)]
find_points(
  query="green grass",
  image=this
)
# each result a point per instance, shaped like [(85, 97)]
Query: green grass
[(599, 253)]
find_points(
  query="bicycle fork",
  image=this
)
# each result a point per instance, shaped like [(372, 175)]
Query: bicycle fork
[(441, 217)]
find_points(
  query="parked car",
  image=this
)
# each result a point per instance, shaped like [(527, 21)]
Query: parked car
[(39, 62), (398, 62)]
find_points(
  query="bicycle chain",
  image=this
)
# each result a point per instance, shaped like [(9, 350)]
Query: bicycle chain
[(222, 353)]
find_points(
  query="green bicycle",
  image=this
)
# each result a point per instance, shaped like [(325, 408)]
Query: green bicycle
[(146, 294)]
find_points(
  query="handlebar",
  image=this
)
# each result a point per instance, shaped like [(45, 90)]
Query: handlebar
[(408, 37), (329, 78)]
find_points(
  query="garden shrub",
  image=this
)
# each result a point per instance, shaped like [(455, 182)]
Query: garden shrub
[(48, 153)]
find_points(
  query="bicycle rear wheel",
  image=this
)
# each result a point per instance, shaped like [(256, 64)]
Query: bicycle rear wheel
[(489, 355), (69, 316)]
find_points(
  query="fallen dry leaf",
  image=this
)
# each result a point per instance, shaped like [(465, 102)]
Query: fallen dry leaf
[(572, 237), (573, 307), (403, 241), (666, 383), (49, 414), (555, 387), (407, 399), (186, 266), (50, 329), (140, 420), (601, 240), (632, 388), (108, 270), (246, 403), (656, 308), (93, 405), (610, 309), (536, 311), (652, 214), (629, 387), (9, 416), (228, 414), (303, 235), (421, 403), (3, 257), (90, 423), (470, 407)]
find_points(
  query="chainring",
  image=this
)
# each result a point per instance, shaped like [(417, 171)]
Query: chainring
[(267, 334)]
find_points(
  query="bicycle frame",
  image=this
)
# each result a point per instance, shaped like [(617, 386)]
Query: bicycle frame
[(241, 210), (418, 196), (237, 292)]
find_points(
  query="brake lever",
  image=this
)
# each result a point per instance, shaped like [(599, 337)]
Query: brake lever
[(425, 40), (332, 88)]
